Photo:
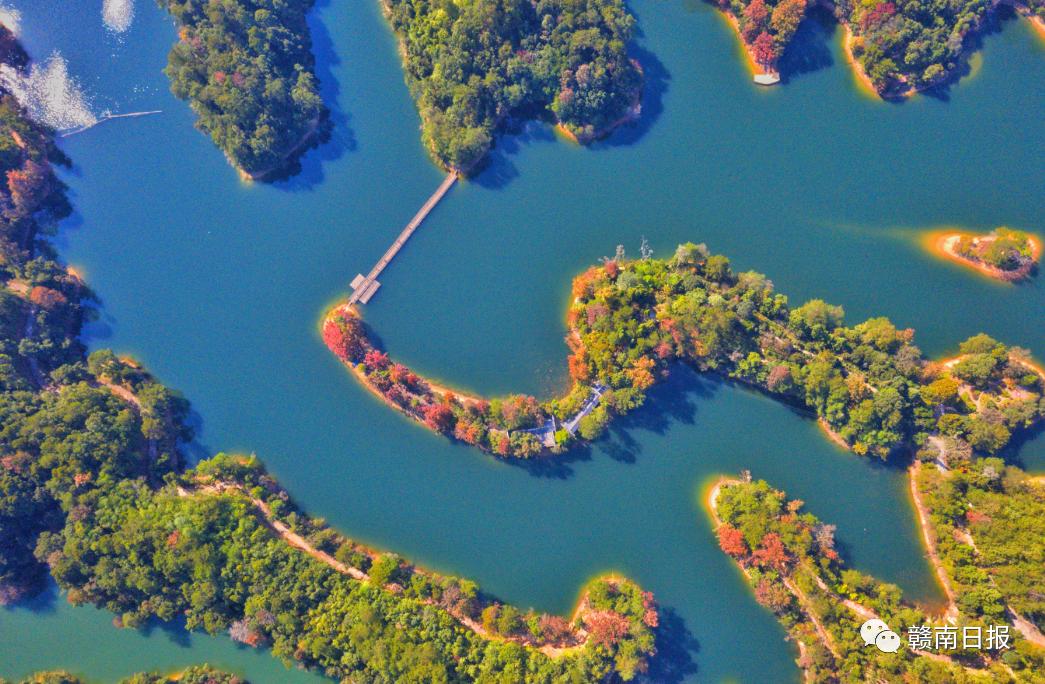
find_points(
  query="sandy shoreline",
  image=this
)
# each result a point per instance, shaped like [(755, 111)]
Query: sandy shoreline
[(928, 538), (863, 81), (832, 435), (753, 66)]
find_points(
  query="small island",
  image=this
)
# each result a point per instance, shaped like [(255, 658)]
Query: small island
[(1005, 254), (631, 320), (247, 70)]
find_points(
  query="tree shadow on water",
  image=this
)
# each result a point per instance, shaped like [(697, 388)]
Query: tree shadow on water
[(307, 172), (809, 50), (655, 78), (40, 598), (497, 169), (676, 647), (672, 401)]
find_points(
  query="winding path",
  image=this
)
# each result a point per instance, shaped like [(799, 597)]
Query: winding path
[(269, 520)]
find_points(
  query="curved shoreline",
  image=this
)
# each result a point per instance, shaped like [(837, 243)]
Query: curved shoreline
[(556, 649), (864, 84), (929, 540), (944, 245), (753, 67)]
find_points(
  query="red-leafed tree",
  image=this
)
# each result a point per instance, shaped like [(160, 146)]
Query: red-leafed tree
[(779, 378), (583, 284), (787, 15), (46, 297), (771, 552), (764, 49), (404, 376), (606, 627), (612, 269), (878, 14), (650, 617), (755, 15), (29, 187), (376, 360), (467, 432), (772, 595), (731, 540), (578, 365), (554, 629), (344, 336), (438, 417)]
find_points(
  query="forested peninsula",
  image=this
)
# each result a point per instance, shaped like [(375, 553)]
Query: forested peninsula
[(473, 67), (95, 491), (632, 319), (246, 68), (899, 47), (986, 518)]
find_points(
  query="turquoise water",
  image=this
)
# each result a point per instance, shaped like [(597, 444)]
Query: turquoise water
[(219, 287)]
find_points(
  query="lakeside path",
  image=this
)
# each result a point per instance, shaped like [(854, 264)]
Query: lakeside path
[(929, 539), (576, 641)]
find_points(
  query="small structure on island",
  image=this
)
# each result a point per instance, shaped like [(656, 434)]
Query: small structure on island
[(769, 79), (545, 433), (593, 400)]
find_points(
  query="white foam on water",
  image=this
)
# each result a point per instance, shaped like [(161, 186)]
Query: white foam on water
[(11, 18), (118, 14), (49, 94)]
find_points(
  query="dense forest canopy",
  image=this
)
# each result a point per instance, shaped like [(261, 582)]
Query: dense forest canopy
[(472, 64), (246, 67)]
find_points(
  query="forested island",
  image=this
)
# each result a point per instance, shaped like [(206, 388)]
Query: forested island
[(1004, 253), (247, 69), (631, 319), (897, 47), (790, 560), (473, 67), (95, 491), (201, 674)]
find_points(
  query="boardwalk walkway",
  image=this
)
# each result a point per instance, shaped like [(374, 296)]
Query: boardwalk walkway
[(364, 287)]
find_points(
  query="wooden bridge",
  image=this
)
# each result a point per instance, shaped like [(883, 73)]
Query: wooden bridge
[(364, 287)]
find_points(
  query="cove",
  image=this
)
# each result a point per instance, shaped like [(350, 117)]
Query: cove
[(218, 287)]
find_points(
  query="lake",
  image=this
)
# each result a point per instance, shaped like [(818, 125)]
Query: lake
[(219, 286)]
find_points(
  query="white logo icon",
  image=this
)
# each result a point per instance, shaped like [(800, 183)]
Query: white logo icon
[(871, 629), (887, 641)]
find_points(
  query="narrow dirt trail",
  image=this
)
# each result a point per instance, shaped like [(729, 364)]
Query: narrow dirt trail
[(293, 539)]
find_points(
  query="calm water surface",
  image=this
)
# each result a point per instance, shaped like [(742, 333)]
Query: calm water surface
[(219, 286)]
